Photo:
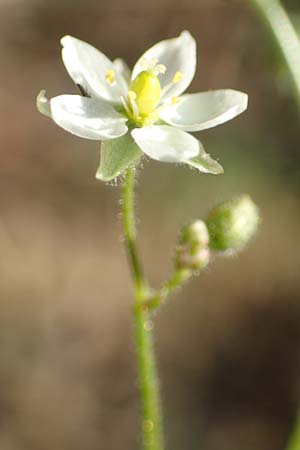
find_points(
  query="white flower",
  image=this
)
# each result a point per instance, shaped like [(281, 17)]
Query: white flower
[(143, 111)]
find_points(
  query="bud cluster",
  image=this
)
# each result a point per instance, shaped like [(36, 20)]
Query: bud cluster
[(193, 249), (228, 228)]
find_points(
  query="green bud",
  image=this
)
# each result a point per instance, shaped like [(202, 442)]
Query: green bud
[(232, 224), (192, 251)]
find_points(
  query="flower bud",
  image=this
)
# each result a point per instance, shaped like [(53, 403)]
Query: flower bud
[(232, 224), (192, 251)]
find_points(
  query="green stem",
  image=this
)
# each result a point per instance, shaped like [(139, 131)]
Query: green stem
[(148, 380), (179, 277), (284, 35), (130, 232)]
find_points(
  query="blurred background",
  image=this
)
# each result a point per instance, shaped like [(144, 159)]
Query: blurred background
[(228, 344)]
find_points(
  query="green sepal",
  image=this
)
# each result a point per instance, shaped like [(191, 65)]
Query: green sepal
[(43, 104), (116, 156), (205, 163)]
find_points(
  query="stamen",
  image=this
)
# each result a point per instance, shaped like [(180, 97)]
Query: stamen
[(159, 68), (110, 77), (125, 105), (132, 98), (170, 102), (177, 77), (151, 65), (131, 95)]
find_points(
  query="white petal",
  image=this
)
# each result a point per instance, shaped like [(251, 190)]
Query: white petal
[(178, 55), (195, 112), (165, 143), (123, 68), (88, 67), (86, 117)]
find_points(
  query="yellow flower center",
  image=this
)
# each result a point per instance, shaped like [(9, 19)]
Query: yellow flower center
[(147, 91)]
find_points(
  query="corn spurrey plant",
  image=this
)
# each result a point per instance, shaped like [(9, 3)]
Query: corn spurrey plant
[(143, 113)]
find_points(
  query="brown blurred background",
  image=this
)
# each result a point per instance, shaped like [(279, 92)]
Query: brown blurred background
[(228, 345)]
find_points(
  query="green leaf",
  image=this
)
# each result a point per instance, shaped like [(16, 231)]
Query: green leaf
[(116, 156), (204, 163)]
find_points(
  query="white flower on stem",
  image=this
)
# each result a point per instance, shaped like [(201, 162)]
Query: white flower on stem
[(143, 111)]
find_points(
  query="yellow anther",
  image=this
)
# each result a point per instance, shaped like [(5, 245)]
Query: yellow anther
[(110, 77), (131, 95), (146, 87), (175, 100), (177, 77)]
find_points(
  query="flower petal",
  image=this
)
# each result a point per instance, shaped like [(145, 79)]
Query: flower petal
[(88, 67), (204, 163), (195, 112), (43, 104), (123, 68), (86, 117), (166, 144), (116, 156), (178, 55)]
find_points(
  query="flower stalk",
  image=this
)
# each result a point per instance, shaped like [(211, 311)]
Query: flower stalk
[(130, 233), (179, 277), (152, 433)]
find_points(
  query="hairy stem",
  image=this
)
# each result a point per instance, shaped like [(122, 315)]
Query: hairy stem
[(179, 277), (129, 227), (148, 380)]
